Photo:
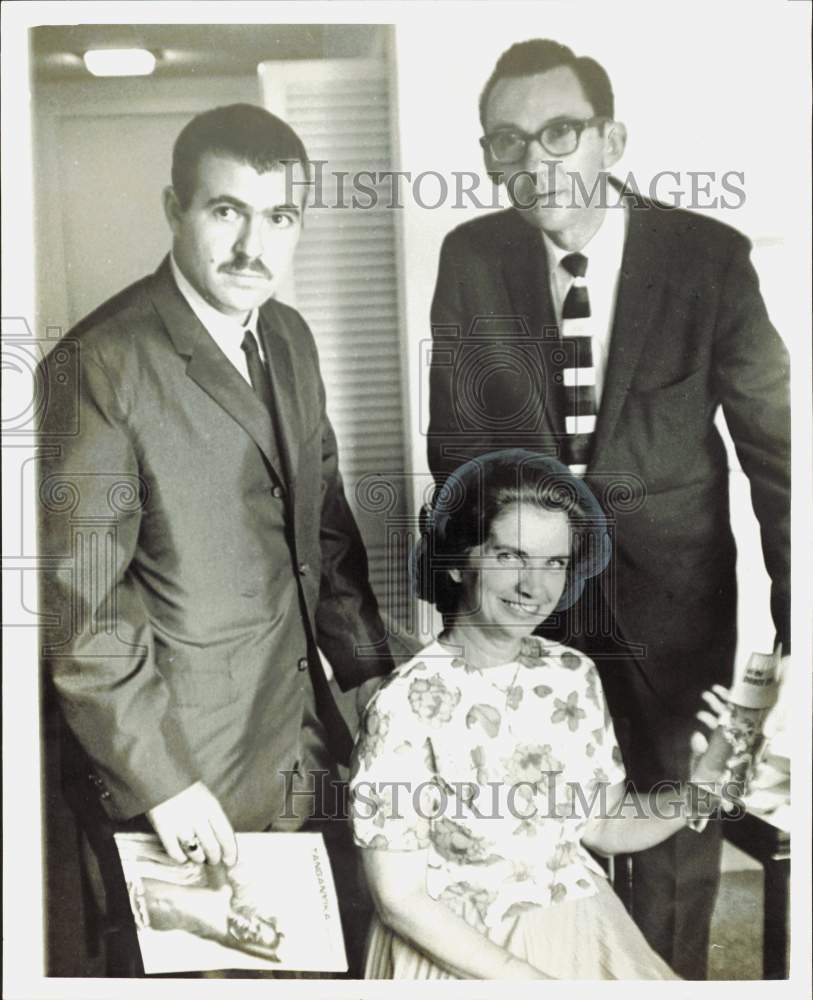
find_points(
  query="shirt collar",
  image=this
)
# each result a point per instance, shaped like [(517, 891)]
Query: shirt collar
[(216, 323), (603, 250)]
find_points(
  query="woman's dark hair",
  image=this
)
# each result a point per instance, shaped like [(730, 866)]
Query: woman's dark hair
[(466, 505), (245, 132), (538, 55)]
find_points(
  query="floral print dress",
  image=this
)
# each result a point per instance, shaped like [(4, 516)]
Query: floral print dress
[(494, 772)]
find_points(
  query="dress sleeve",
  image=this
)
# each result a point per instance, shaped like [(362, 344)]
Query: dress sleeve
[(607, 763), (392, 784)]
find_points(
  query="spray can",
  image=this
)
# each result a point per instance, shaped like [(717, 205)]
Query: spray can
[(736, 743)]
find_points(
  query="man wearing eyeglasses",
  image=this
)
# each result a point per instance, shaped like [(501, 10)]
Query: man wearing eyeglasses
[(609, 331)]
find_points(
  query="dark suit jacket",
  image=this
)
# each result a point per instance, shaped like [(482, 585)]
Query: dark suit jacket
[(690, 334), (194, 554)]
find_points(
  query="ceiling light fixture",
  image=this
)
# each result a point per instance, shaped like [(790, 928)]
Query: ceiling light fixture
[(119, 62)]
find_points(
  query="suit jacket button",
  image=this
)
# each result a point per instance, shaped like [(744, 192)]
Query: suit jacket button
[(277, 492), (304, 568), (302, 664)]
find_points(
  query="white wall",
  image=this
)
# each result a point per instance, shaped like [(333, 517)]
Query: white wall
[(103, 153), (692, 86)]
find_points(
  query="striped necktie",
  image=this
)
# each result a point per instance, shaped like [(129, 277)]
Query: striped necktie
[(578, 375)]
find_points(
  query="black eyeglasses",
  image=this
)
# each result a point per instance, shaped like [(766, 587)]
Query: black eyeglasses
[(559, 137)]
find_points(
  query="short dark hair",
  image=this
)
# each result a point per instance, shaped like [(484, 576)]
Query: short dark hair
[(538, 55), (245, 132), (466, 505)]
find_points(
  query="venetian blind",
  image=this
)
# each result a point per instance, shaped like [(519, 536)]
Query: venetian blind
[(345, 284)]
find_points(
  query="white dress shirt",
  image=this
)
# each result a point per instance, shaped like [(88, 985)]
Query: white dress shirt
[(224, 330), (604, 252)]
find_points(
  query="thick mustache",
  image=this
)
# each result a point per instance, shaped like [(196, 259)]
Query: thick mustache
[(249, 267)]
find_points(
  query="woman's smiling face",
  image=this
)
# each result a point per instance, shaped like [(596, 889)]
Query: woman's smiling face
[(513, 581)]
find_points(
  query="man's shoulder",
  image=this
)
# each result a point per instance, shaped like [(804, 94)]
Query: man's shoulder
[(686, 230), (124, 318), (110, 333), (129, 300), (486, 233)]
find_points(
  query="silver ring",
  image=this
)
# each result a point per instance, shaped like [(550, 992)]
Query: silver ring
[(189, 846)]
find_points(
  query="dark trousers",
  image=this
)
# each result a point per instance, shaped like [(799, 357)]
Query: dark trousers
[(674, 886)]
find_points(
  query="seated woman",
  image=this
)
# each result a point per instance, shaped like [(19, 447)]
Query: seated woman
[(487, 764)]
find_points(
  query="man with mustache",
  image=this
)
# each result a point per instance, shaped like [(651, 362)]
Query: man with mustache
[(207, 553), (609, 331)]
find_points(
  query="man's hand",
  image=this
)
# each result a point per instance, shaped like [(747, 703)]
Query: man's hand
[(192, 826)]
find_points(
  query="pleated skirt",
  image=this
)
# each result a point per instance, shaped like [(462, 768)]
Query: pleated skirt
[(593, 938)]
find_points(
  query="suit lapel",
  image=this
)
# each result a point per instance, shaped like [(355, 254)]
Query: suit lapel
[(639, 288), (210, 368), (278, 353), (524, 271), (525, 274)]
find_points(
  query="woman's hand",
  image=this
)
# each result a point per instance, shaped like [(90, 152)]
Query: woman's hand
[(717, 701), (709, 757)]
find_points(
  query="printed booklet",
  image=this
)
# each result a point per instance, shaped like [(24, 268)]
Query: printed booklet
[(276, 909)]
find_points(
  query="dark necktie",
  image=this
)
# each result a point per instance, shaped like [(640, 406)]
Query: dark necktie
[(257, 372), (578, 375)]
